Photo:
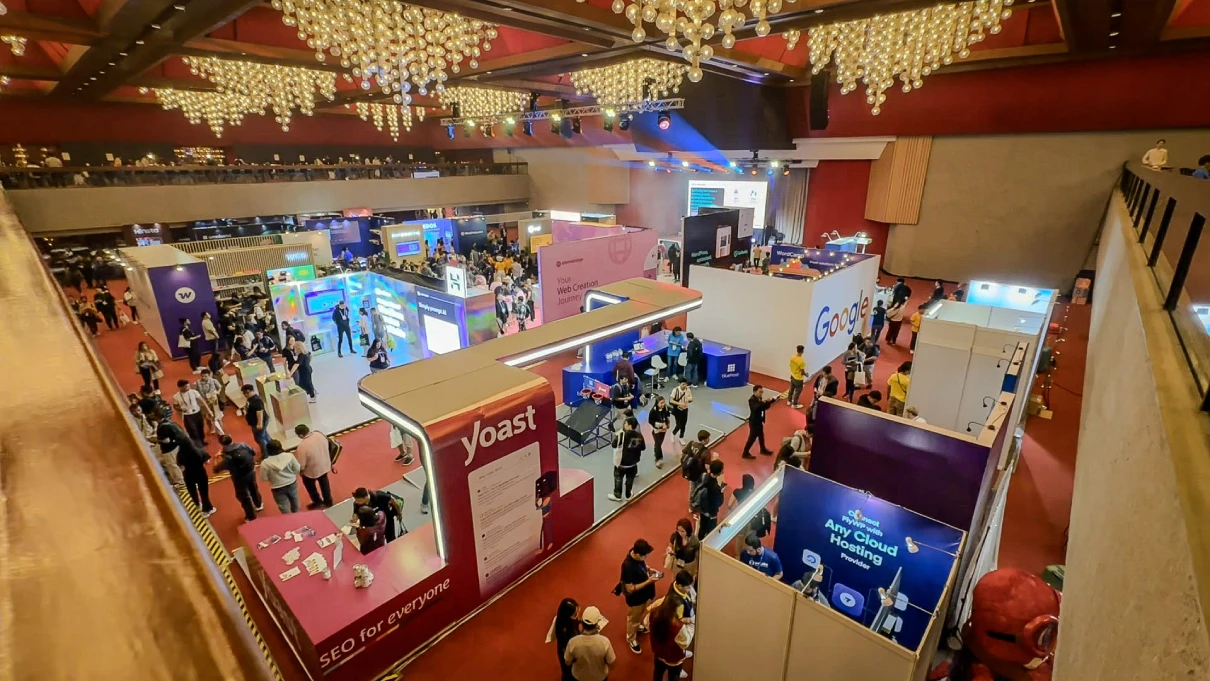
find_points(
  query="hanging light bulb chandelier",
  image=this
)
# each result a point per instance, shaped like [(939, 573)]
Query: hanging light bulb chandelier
[(390, 116), (387, 44), (905, 45), (218, 109), (15, 43), (420, 113), (691, 20), (282, 88), (481, 102), (3, 9), (628, 84)]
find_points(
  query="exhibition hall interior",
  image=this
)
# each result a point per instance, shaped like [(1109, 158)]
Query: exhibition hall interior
[(381, 340)]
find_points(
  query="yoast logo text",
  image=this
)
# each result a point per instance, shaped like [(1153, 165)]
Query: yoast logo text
[(487, 436)]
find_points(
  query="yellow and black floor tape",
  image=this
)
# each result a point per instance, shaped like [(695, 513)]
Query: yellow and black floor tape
[(223, 476), (223, 560)]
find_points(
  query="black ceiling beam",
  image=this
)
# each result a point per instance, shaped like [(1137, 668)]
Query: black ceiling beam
[(122, 23)]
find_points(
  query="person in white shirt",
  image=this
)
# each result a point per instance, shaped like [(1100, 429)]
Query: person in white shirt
[(53, 162), (133, 303), (1157, 157), (190, 403), (912, 414)]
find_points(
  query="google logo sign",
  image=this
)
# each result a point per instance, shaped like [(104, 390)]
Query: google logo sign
[(845, 319)]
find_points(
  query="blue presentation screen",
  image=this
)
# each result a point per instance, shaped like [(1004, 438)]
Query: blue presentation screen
[(862, 543), (705, 197), (407, 248), (319, 302)]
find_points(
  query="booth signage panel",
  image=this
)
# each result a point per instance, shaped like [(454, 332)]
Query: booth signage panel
[(455, 280), (840, 306), (730, 194), (440, 322), (712, 240), (566, 271), (183, 293), (471, 232), (286, 275), (863, 544)]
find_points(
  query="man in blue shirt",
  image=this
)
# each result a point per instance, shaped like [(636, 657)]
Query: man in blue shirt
[(1203, 173), (761, 559)]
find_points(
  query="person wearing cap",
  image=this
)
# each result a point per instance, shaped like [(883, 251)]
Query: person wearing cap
[(763, 560), (589, 654), (638, 586)]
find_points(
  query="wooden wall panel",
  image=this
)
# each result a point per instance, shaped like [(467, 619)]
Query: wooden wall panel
[(897, 181)]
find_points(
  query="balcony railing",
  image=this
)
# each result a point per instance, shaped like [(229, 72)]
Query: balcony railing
[(130, 176), (1169, 213)]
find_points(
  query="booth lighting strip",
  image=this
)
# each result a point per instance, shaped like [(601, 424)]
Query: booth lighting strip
[(597, 296), (728, 528), (426, 459), (570, 112)]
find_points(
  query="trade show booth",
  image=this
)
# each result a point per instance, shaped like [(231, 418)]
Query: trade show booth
[(404, 243), (501, 502), (569, 269), (170, 285), (720, 238), (839, 299), (354, 233), (862, 597)]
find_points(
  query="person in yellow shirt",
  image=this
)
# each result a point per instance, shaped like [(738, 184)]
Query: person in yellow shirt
[(915, 319), (798, 374), (897, 387)]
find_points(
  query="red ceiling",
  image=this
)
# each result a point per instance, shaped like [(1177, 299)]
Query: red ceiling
[(1192, 13)]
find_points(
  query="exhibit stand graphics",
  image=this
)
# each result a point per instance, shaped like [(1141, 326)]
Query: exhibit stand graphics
[(471, 232), (841, 304), (170, 285), (431, 231), (404, 243), (712, 240), (285, 275), (566, 271), (441, 326), (533, 233), (318, 240), (753, 195), (822, 261), (563, 231), (352, 233)]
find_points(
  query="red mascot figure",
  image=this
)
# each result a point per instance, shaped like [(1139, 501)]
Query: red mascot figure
[(1012, 631)]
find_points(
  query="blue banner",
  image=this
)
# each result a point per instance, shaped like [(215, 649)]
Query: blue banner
[(883, 565)]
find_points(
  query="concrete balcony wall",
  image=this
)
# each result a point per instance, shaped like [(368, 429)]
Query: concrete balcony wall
[(81, 209)]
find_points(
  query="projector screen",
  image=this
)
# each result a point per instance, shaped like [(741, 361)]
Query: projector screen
[(723, 194)]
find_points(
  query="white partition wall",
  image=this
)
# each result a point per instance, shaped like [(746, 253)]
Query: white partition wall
[(943, 351)]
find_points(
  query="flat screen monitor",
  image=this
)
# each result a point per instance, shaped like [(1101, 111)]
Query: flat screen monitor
[(730, 194), (322, 302), (406, 248)]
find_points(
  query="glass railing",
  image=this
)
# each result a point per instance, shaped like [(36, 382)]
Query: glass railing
[(1168, 211), (38, 177)]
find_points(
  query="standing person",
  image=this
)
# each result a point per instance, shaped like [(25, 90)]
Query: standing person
[(378, 325), (917, 318), (628, 445), (683, 548), (757, 406), (660, 420), (747, 485), (938, 292), (679, 406), (257, 418), (390, 505), (280, 469), (669, 638), (897, 387), (344, 327), (239, 460), (132, 304), (263, 348), (147, 364), (638, 586), (798, 374), (379, 359), (825, 386), (621, 396), (565, 627), (1156, 157), (175, 441), (290, 354), (694, 460), (693, 359), (189, 402), (676, 345), (710, 498), (877, 321), (402, 444), (211, 391), (852, 364), (371, 529), (761, 559), (363, 328), (315, 462), (901, 292), (210, 331), (87, 271), (623, 367), (107, 305), (869, 356), (674, 259), (589, 654), (303, 373), (89, 315), (894, 320), (187, 340)]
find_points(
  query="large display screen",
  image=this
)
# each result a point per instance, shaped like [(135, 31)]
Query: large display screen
[(319, 302), (406, 248), (286, 275), (724, 194)]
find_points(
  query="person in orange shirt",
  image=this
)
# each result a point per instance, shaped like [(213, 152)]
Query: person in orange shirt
[(915, 320)]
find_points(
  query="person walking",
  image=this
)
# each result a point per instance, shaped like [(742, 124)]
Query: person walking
[(897, 387), (239, 460), (315, 461), (916, 319), (660, 419), (590, 655), (187, 340), (638, 587), (938, 292), (757, 406), (853, 364), (344, 327), (826, 385), (211, 391), (257, 418), (877, 321), (683, 549), (363, 328), (190, 404), (693, 359), (280, 469), (678, 406), (132, 304), (894, 320), (89, 316), (264, 347), (302, 372), (147, 364), (709, 498), (378, 325), (175, 441), (798, 374), (565, 627), (107, 305), (901, 292), (628, 446), (871, 400)]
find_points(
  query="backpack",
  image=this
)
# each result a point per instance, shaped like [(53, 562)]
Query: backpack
[(699, 495), (240, 461), (692, 467)]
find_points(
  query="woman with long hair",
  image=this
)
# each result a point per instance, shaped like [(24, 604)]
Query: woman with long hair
[(660, 419), (669, 634), (379, 359), (147, 364), (565, 626), (683, 549)]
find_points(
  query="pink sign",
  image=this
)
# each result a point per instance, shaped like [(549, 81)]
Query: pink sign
[(562, 231), (566, 271)]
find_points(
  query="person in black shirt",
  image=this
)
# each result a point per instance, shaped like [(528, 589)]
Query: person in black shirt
[(938, 292), (638, 586), (712, 499), (871, 400), (674, 259), (188, 340), (693, 359), (620, 397), (628, 447), (257, 417), (344, 327), (757, 406), (566, 626), (189, 457), (107, 305), (148, 402), (238, 459), (900, 293), (877, 321), (264, 347), (660, 420), (380, 501)]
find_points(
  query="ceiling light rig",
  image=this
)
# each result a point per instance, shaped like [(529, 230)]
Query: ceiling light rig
[(628, 84), (692, 21), (15, 43), (387, 44), (905, 45), (391, 116), (479, 102)]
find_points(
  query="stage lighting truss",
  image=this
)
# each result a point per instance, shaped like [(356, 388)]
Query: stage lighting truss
[(569, 112)]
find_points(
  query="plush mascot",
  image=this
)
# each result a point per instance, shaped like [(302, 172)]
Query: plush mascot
[(1011, 633)]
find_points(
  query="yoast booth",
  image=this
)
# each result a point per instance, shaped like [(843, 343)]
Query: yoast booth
[(862, 596), (170, 285), (501, 502), (568, 270), (837, 301)]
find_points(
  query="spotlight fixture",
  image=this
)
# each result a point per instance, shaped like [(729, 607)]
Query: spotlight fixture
[(732, 164), (607, 124), (556, 124), (576, 128), (753, 171), (684, 164), (556, 116), (664, 120), (527, 127), (449, 131), (775, 163), (470, 124), (510, 125), (786, 171), (624, 121), (769, 172), (651, 163)]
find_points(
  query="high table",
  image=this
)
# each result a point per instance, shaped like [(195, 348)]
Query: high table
[(726, 366)]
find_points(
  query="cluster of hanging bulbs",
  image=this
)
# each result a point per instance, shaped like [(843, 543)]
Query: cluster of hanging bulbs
[(15, 43), (390, 116), (388, 44), (905, 45), (219, 110), (628, 84), (480, 102)]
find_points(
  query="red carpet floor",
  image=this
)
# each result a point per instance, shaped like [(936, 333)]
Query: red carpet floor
[(506, 640)]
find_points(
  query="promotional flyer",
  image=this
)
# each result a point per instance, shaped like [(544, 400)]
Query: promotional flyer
[(566, 271), (712, 240), (882, 565)]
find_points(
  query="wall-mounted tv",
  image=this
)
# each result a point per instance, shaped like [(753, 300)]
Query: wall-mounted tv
[(322, 302)]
